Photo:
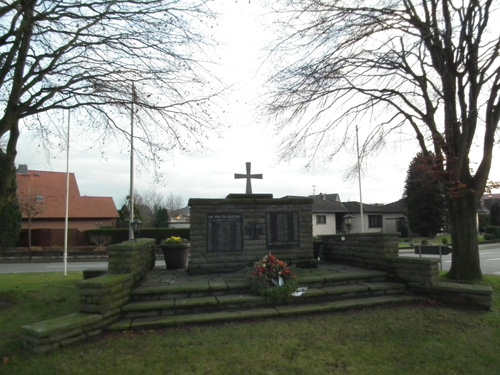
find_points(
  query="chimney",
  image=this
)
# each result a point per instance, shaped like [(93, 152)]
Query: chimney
[(22, 169)]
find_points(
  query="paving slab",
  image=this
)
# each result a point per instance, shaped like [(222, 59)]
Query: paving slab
[(237, 299), (184, 303), (149, 305), (346, 289)]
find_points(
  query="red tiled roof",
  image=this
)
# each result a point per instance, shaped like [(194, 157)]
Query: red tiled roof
[(51, 186)]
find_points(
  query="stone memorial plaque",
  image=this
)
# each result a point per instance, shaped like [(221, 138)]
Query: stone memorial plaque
[(224, 233), (282, 229)]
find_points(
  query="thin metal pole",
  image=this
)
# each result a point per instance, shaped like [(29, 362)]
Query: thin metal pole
[(66, 220), (131, 200), (359, 181)]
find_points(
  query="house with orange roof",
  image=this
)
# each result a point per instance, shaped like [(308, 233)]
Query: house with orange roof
[(42, 196)]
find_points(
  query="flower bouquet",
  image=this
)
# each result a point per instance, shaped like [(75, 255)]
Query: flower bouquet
[(273, 279)]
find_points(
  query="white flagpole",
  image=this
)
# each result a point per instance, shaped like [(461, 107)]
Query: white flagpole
[(67, 202), (131, 200), (359, 180)]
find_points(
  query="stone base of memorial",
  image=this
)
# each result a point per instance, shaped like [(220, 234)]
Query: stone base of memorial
[(176, 255)]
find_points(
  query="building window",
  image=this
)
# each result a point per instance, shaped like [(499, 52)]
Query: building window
[(320, 219), (39, 198), (375, 221)]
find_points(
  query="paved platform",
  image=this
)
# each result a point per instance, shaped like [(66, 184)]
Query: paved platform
[(160, 276)]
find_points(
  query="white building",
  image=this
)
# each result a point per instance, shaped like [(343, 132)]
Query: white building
[(328, 216)]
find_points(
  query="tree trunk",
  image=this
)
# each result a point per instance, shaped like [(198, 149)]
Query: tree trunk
[(8, 186), (29, 239), (465, 265)]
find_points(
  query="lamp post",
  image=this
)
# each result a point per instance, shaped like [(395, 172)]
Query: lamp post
[(348, 222), (136, 227)]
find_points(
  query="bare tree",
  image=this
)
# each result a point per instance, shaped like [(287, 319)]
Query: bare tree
[(30, 206), (174, 203), (431, 67), (153, 201), (86, 56)]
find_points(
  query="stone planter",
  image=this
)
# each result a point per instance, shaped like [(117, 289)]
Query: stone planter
[(176, 255)]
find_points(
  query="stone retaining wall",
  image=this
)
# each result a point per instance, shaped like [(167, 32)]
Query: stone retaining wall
[(65, 330), (100, 298), (105, 294), (424, 271), (477, 296), (422, 275)]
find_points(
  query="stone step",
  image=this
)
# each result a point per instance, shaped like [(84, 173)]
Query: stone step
[(248, 300), (169, 299), (189, 289), (200, 288), (319, 279), (160, 322)]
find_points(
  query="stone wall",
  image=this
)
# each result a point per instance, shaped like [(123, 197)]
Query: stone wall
[(134, 257), (367, 250), (101, 298), (251, 234), (423, 271), (477, 296), (105, 294)]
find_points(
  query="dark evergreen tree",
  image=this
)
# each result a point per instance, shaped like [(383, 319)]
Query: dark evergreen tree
[(495, 214), (124, 217), (10, 224), (484, 221), (424, 197), (124, 214), (161, 218)]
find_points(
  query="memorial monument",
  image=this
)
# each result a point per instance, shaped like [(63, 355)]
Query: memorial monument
[(232, 233)]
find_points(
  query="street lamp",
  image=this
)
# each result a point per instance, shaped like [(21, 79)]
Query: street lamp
[(136, 227), (348, 222)]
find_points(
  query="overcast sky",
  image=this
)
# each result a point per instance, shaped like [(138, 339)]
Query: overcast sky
[(210, 174)]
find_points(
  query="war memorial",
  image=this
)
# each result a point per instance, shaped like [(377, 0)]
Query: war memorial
[(227, 237)]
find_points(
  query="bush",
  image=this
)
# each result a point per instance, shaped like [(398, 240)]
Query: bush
[(405, 232), (493, 229), (489, 236), (444, 241)]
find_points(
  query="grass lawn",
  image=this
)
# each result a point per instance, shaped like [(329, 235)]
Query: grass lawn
[(420, 339)]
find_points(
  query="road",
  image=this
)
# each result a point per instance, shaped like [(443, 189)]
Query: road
[(489, 254), (29, 267)]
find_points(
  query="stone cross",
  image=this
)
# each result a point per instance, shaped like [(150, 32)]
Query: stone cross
[(248, 176)]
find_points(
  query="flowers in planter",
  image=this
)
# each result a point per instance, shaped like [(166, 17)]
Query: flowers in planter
[(175, 241), (273, 278)]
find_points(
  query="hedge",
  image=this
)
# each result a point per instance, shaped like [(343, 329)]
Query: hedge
[(107, 236)]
